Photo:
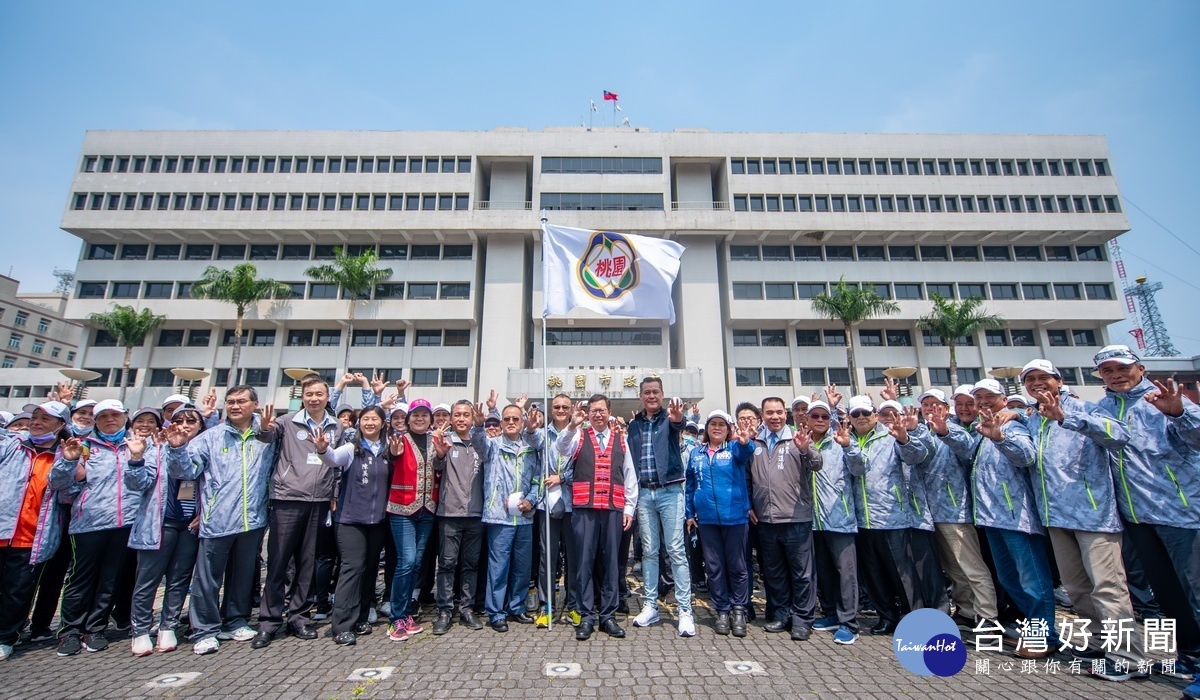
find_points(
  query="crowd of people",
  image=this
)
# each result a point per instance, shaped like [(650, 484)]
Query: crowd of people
[(978, 504)]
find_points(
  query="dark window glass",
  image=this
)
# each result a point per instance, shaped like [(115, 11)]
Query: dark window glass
[(899, 338), (159, 290), (870, 338), (747, 290), (996, 253), (870, 252), (92, 290), (125, 290), (1067, 291), (965, 253), (1058, 338), (808, 290), (422, 290), (834, 338), (231, 252), (102, 251), (904, 253), (839, 252), (1004, 291), (1027, 252), (808, 337), (455, 290), (264, 252), (263, 337), (1098, 291), (170, 338), (300, 337), (807, 252), (907, 290), (780, 290), (944, 290), (1088, 253), (1035, 291), (748, 376), (329, 338), (1021, 338), (776, 252)]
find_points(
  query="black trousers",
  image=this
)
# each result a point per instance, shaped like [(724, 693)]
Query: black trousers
[(623, 562), (460, 543), (787, 557), (359, 547), (173, 561), (725, 563), (18, 581), (886, 572), (230, 560), (122, 604), (837, 576), (556, 554), (50, 586), (97, 559), (930, 586), (294, 528), (596, 536), (327, 565), (1170, 557)]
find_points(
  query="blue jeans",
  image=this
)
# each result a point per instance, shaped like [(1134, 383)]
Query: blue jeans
[(663, 508), (510, 556), (410, 533), (1024, 570)]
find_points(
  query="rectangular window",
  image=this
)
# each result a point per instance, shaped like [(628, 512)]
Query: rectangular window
[(170, 338), (329, 338), (838, 375), (38, 346), (777, 376), (870, 252), (422, 290), (839, 252), (883, 289), (808, 290), (812, 376), (300, 337), (229, 339), (780, 290), (1059, 253), (125, 290), (1098, 291), (900, 253), (263, 337), (456, 338), (264, 252), (455, 290), (808, 338), (43, 325), (454, 376), (21, 319), (748, 376), (898, 337), (743, 252), (159, 290), (747, 290), (365, 338), (1091, 253), (907, 290), (965, 253), (318, 290), (1058, 338), (161, 378), (773, 338), (195, 251), (256, 376), (231, 252), (996, 338), (777, 252), (297, 251), (967, 290), (394, 290), (1027, 252), (199, 338), (425, 377), (1004, 291), (426, 252), (745, 338), (934, 253), (875, 376), (996, 253), (932, 341), (1084, 338), (944, 290), (391, 338), (870, 338), (807, 253), (834, 338), (1066, 291), (1035, 291), (102, 339), (102, 251)]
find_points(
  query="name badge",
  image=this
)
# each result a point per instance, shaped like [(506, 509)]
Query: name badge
[(313, 458), (187, 490)]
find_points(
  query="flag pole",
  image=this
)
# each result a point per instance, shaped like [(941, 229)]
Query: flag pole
[(547, 455)]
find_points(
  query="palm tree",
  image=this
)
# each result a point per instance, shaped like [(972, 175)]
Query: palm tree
[(130, 328), (950, 320), (851, 305), (356, 276), (242, 288)]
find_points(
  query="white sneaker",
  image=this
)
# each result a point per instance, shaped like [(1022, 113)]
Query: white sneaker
[(167, 641), (372, 616), (6, 651), (317, 617), (648, 616), (385, 608), (687, 625), (243, 634), (142, 646), (207, 645)]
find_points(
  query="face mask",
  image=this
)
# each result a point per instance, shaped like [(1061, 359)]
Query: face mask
[(79, 430), (23, 434), (40, 440), (689, 440), (113, 438)]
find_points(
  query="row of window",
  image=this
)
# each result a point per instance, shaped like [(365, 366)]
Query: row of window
[(822, 376), (300, 290), (299, 337), (38, 346), (912, 253), (21, 320), (902, 337), (625, 166), (261, 377), (607, 201), (273, 164), (1007, 291), (274, 251), (919, 166), (903, 203), (604, 336), (271, 201)]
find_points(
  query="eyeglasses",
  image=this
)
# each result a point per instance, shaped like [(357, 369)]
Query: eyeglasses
[(860, 413), (511, 419), (189, 421), (237, 402), (561, 408), (818, 416)]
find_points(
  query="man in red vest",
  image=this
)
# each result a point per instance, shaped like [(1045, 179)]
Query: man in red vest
[(603, 485)]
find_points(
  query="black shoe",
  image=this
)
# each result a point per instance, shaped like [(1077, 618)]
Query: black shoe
[(523, 619), (721, 626), (751, 616), (262, 640), (363, 628), (582, 633), (95, 642), (801, 633), (346, 639), (737, 623), (304, 632), (612, 629), (442, 624), (883, 627), (623, 607), (471, 619), (499, 625), (776, 626), (70, 645)]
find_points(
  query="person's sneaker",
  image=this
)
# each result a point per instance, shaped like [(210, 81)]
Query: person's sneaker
[(542, 621), (6, 651), (167, 641), (207, 645), (398, 632), (844, 635), (142, 646), (574, 617), (1192, 692), (1108, 671), (385, 608), (687, 625), (243, 634), (411, 625), (372, 616), (95, 642), (648, 616), (41, 635), (1061, 597), (224, 636), (965, 624), (829, 622), (70, 645)]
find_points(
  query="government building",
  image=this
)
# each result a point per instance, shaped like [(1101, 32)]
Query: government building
[(768, 221)]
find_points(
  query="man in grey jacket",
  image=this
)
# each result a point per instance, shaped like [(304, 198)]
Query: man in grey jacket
[(301, 489)]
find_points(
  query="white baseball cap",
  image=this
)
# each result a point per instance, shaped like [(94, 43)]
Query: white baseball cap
[(899, 407), (174, 398), (58, 409), (82, 404), (441, 407), (799, 399), (819, 404), (933, 394), (108, 405), (719, 414), (5, 418), (1043, 365), (860, 402), (1121, 354), (400, 408), (962, 390), (987, 385)]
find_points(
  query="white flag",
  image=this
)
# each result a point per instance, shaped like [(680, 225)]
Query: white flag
[(615, 274)]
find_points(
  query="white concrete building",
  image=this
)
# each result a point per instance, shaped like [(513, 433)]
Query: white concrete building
[(768, 221), (38, 341)]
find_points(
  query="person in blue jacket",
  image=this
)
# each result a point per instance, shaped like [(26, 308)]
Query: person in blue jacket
[(717, 504), (1157, 483)]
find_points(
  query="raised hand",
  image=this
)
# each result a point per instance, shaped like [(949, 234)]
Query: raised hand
[(136, 445), (378, 383), (801, 439), (491, 400), (1048, 405), (72, 449), (267, 415), (64, 391), (989, 426), (520, 401), (1168, 398), (402, 386), (480, 415), (388, 402), (743, 433), (912, 418), (362, 380), (890, 391), (617, 426), (347, 379), (493, 431), (319, 440), (816, 396), (675, 410), (441, 445), (937, 420), (842, 435), (177, 434), (534, 420), (208, 405), (396, 444), (832, 395), (898, 431), (579, 416)]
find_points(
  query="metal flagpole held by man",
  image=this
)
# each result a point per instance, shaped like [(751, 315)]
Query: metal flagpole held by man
[(546, 453)]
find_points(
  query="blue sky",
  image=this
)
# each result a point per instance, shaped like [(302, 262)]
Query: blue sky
[(1125, 70)]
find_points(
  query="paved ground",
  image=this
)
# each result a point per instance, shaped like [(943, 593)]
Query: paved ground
[(651, 662)]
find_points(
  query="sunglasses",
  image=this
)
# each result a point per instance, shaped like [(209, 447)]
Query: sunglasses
[(560, 408), (860, 413), (818, 416), (511, 419)]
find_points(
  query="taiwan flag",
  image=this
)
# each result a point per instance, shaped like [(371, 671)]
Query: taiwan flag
[(610, 96)]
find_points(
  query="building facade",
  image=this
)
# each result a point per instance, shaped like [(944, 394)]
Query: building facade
[(768, 221), (38, 341)]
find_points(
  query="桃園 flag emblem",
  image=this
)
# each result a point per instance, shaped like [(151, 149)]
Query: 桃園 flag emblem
[(608, 267)]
